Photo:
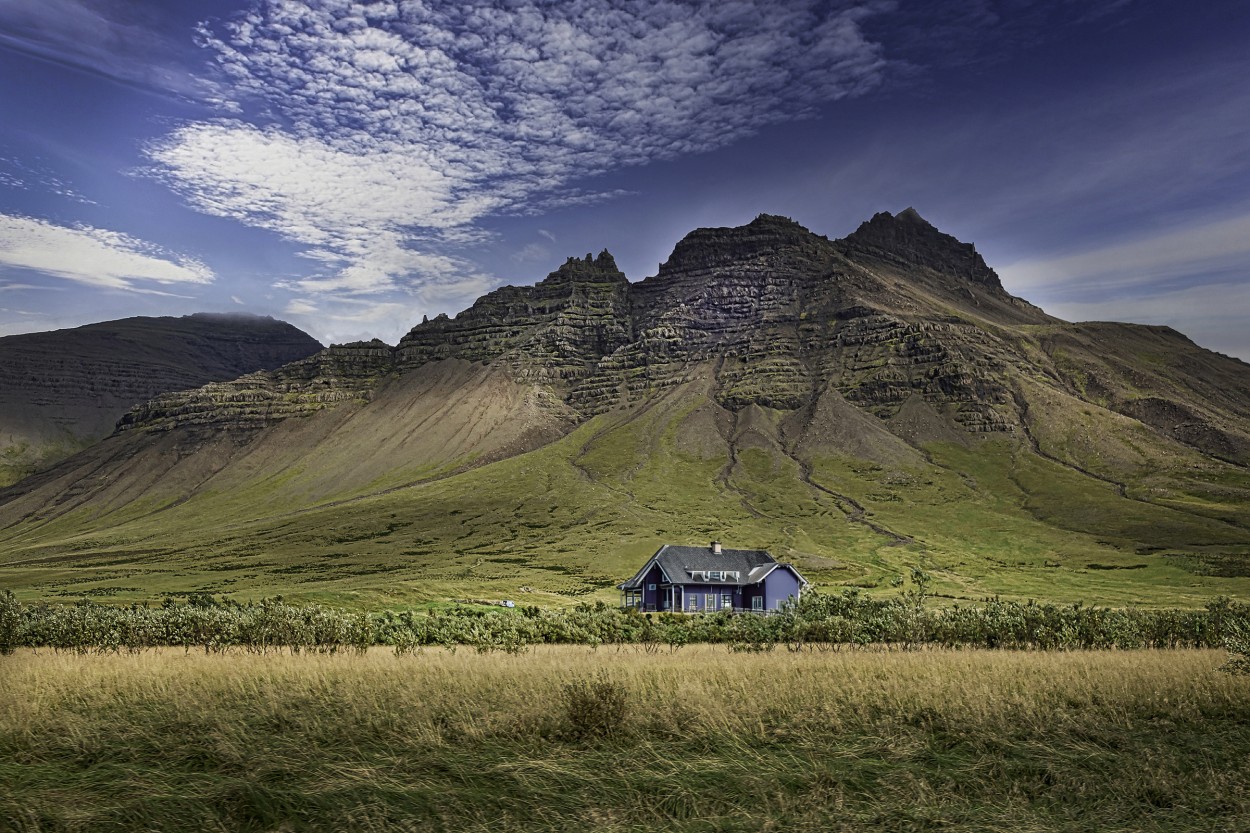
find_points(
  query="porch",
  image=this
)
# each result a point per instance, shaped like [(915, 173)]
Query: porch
[(675, 598)]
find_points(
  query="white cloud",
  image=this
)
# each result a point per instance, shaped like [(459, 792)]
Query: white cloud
[(21, 287), (1194, 279), (337, 320), (532, 253), (93, 256), (1213, 315), (31, 175), (300, 306), (1211, 248), (394, 127)]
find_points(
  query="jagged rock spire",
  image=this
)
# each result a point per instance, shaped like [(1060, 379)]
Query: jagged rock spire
[(909, 238)]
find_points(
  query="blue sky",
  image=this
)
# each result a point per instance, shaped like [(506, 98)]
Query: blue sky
[(350, 167)]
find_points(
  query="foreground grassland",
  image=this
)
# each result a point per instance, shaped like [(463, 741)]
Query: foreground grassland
[(699, 739)]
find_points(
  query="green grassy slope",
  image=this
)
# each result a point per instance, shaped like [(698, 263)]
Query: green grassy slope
[(1099, 510)]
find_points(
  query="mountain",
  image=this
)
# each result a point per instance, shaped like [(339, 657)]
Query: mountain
[(857, 406), (61, 391)]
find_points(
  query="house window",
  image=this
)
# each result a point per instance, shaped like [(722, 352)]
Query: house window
[(694, 602), (650, 586), (757, 602), (709, 601), (716, 575), (726, 601)]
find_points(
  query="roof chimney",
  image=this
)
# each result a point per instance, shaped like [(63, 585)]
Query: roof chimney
[(716, 548)]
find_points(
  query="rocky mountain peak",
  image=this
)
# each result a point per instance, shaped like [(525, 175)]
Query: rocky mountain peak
[(911, 215), (707, 248), (600, 269), (907, 238)]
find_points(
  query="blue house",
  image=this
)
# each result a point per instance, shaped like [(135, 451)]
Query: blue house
[(708, 579)]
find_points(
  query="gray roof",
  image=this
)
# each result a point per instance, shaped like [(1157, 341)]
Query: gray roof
[(679, 563)]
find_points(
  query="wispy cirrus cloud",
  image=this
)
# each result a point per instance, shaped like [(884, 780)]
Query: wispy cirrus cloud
[(1193, 278), (120, 40), (1215, 248), (31, 175), (1214, 315), (383, 133), (93, 256)]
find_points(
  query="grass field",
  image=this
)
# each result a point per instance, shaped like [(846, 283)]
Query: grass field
[(566, 522), (697, 740)]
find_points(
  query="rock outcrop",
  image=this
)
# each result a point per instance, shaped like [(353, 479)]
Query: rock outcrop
[(341, 373), (552, 332)]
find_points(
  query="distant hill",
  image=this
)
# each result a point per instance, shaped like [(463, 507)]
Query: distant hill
[(856, 406), (60, 391)]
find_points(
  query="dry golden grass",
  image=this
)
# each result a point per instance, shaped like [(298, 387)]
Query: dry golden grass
[(878, 740)]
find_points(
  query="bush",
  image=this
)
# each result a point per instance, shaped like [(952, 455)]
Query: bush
[(1237, 643), (594, 707), (10, 622)]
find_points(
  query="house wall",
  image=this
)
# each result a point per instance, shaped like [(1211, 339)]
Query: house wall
[(750, 592), (781, 584), (699, 593), (654, 599)]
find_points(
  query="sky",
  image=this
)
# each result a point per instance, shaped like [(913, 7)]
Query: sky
[(350, 167)]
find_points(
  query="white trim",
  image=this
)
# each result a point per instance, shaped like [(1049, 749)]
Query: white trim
[(642, 574)]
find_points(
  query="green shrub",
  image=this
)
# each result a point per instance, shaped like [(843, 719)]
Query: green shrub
[(594, 707), (1237, 643), (10, 622)]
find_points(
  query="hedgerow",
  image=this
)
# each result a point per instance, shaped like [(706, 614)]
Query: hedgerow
[(820, 621)]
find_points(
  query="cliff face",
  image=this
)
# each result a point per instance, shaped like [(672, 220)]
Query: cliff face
[(552, 332), (783, 313), (62, 390), (341, 373), (896, 312)]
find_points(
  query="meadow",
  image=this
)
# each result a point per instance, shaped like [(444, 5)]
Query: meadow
[(625, 738)]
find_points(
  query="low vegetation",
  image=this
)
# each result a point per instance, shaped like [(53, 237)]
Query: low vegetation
[(819, 621), (622, 738)]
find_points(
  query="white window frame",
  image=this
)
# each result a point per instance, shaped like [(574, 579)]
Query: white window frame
[(651, 586), (709, 602), (757, 602), (694, 602), (726, 601), (716, 575)]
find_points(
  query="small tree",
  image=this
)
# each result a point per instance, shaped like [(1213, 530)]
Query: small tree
[(10, 621), (1237, 643)]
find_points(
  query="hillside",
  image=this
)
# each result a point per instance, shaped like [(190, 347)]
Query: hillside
[(61, 391), (857, 406)]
